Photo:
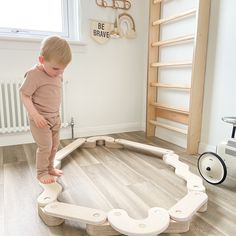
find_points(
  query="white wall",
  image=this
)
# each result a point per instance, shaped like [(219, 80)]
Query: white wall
[(106, 89), (107, 83), (220, 83)]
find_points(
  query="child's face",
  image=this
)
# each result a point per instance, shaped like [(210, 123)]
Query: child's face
[(51, 68)]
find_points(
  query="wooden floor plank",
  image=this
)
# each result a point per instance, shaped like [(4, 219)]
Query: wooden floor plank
[(199, 227), (13, 154), (124, 173), (20, 195), (79, 185), (157, 198), (83, 157), (118, 194), (223, 220), (152, 173)]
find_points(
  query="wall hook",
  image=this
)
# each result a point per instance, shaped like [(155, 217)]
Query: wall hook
[(115, 4)]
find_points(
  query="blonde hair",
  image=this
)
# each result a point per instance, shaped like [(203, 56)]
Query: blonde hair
[(56, 49)]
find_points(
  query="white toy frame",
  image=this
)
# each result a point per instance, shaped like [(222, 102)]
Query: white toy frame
[(117, 221)]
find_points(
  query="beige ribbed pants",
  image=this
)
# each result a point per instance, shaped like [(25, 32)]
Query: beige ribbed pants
[(47, 140)]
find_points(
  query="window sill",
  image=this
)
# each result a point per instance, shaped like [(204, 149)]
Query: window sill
[(36, 40)]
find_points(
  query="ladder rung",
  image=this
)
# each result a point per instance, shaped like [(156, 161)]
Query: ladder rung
[(183, 131), (157, 1), (173, 41), (170, 108), (173, 64), (172, 116), (175, 17), (171, 86)]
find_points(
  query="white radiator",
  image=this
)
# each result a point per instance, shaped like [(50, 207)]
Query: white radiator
[(13, 116)]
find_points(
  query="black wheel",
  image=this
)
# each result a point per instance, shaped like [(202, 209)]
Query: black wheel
[(212, 168)]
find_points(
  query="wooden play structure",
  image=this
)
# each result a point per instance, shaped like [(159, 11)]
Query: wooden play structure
[(170, 33), (117, 221)]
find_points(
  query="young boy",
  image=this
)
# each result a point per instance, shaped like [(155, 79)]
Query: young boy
[(41, 96)]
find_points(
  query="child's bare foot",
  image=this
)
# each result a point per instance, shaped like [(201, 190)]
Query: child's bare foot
[(56, 172), (47, 179)]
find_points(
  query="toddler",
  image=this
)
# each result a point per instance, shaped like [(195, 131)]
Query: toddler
[(41, 94)]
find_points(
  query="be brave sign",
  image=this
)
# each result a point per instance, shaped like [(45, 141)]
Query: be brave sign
[(100, 31)]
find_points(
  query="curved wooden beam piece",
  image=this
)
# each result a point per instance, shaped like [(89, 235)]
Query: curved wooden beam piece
[(157, 221)]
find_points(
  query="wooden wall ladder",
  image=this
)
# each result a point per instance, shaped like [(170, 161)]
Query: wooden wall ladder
[(192, 116)]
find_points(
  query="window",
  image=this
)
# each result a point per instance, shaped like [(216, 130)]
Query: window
[(39, 18)]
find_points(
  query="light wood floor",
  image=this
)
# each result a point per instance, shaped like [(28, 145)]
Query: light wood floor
[(106, 178)]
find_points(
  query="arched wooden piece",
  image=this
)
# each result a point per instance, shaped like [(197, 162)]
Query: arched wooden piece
[(157, 221)]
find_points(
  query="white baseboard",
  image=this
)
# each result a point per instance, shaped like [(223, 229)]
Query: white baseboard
[(143, 126), (15, 138), (26, 137), (106, 129), (204, 147)]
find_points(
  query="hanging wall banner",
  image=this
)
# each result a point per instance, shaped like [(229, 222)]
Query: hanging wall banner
[(100, 30)]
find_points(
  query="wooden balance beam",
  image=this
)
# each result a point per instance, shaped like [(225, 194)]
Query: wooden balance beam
[(117, 221)]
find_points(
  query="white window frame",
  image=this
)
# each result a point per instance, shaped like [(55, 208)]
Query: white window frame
[(70, 20)]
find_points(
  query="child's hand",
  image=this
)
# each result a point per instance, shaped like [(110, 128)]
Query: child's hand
[(39, 120)]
